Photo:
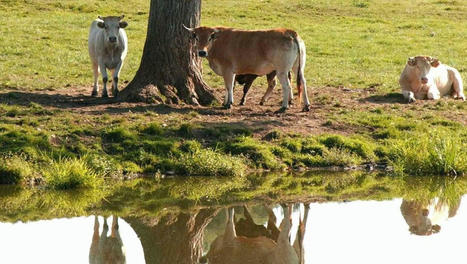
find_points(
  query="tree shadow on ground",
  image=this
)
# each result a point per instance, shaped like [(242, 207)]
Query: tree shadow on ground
[(390, 98), (62, 101), (98, 106)]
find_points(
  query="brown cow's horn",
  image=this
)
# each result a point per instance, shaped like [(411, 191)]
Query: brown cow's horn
[(187, 28), (122, 16)]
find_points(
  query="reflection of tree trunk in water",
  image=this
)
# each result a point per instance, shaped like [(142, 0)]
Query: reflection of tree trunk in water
[(173, 238)]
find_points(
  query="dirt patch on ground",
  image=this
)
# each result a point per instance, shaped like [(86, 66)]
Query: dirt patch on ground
[(326, 102)]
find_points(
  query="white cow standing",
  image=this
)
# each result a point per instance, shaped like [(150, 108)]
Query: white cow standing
[(426, 77), (108, 46)]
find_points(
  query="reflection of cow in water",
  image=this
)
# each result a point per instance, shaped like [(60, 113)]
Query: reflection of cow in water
[(106, 249), (424, 217), (251, 243)]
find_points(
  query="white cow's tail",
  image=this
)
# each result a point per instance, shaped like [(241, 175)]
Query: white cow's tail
[(299, 69)]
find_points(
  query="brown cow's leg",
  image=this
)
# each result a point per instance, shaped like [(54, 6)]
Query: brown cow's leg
[(247, 80), (271, 84)]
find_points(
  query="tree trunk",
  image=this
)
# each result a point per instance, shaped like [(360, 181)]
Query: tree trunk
[(170, 71), (173, 238)]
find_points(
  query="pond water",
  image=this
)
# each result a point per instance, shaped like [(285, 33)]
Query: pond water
[(310, 218), (335, 232)]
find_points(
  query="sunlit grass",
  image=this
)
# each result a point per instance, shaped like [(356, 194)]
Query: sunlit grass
[(70, 173)]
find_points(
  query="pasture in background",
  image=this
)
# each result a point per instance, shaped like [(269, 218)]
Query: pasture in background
[(357, 44)]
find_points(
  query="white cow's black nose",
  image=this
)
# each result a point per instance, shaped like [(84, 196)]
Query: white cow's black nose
[(202, 53), (113, 39)]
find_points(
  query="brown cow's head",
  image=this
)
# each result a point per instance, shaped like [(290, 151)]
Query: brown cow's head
[(111, 26), (203, 37), (423, 66)]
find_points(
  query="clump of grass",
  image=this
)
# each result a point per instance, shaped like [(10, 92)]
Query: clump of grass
[(70, 173), (14, 170), (118, 134), (190, 146), (355, 146), (154, 129), (207, 162), (440, 153), (258, 152)]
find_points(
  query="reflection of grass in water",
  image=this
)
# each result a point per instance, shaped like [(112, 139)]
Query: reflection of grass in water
[(159, 197), (33, 204)]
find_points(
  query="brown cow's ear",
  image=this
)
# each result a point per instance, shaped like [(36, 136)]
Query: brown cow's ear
[(411, 61), (101, 24), (213, 36), (123, 24), (434, 62)]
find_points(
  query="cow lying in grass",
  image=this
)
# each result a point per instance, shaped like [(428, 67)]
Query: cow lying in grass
[(426, 77)]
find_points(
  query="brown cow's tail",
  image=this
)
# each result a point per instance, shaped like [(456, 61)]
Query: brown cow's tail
[(299, 69)]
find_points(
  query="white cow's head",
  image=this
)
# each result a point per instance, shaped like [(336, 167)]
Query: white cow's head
[(111, 26), (204, 37), (423, 66)]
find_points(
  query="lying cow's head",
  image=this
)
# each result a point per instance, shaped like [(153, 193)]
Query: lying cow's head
[(203, 37), (423, 66), (111, 26)]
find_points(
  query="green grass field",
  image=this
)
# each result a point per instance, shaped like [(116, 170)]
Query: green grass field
[(352, 43), (357, 44)]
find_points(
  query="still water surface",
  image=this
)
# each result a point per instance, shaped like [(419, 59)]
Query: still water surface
[(392, 231)]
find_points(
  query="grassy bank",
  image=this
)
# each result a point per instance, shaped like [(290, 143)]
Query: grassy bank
[(64, 151), (51, 134)]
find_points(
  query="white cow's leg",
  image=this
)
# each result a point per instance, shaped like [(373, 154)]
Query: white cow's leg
[(229, 233), (458, 87), (409, 96), (306, 100), (285, 226), (290, 92), (115, 76), (104, 78), (285, 83), (229, 80), (433, 93), (95, 71)]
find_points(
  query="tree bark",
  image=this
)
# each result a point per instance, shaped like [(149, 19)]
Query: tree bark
[(170, 72), (173, 238)]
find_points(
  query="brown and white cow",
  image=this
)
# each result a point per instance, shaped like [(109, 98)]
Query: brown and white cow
[(247, 80), (231, 51), (426, 77), (232, 248)]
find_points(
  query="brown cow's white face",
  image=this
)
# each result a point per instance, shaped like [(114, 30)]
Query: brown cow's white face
[(111, 26), (423, 66), (203, 37)]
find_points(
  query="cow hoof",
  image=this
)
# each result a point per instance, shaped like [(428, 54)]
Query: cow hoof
[(115, 93), (94, 93), (242, 103), (306, 108), (281, 110), (228, 106), (105, 95)]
